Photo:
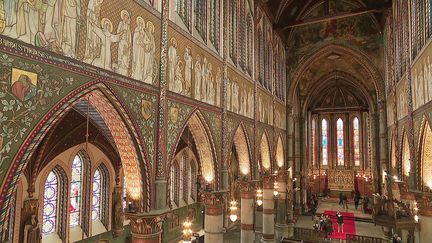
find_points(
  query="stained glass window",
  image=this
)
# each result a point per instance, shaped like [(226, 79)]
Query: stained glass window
[(406, 157), (96, 201), (313, 143), (172, 184), (49, 216), (214, 23), (232, 28), (75, 197), (182, 8), (356, 136), (324, 141), (200, 17), (340, 141)]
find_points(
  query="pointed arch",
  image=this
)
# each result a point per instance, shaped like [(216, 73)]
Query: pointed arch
[(113, 111), (203, 140), (425, 156), (406, 157), (280, 155), (265, 152), (241, 143)]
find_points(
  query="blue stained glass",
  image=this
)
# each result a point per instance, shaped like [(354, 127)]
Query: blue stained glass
[(324, 136), (49, 215), (75, 194), (96, 205), (340, 142)]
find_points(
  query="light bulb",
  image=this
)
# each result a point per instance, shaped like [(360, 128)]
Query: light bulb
[(259, 202), (233, 217), (416, 218), (275, 192)]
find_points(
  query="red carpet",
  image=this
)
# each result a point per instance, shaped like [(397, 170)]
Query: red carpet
[(349, 224)]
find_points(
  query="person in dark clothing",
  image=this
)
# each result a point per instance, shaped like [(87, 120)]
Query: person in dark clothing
[(313, 211), (315, 199), (340, 221), (328, 227), (340, 198), (365, 204), (344, 202), (357, 198)]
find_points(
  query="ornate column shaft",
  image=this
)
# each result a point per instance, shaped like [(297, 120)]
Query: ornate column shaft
[(225, 142), (268, 209), (213, 222), (383, 145), (145, 228), (247, 212), (376, 168), (160, 199), (281, 213)]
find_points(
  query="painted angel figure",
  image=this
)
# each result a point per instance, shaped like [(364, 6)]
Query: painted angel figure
[(198, 77), (107, 39), (138, 47), (188, 68), (172, 62), (124, 50)]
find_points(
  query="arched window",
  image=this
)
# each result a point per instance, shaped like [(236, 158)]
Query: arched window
[(232, 28), (96, 200), (174, 185), (313, 144), (182, 8), (356, 142), (200, 9), (340, 141), (324, 141), (214, 23), (49, 215), (75, 192)]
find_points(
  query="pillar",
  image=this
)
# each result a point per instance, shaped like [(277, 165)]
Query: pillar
[(145, 228), (376, 168), (213, 213), (281, 228), (247, 234), (268, 210), (425, 221), (383, 145)]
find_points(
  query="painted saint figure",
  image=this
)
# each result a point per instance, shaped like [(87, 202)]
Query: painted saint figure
[(23, 88), (71, 13), (138, 47), (92, 41), (124, 46), (149, 53), (197, 70), (28, 20), (172, 63), (188, 69), (107, 38)]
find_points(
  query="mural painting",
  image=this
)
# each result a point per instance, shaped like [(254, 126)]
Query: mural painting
[(402, 99), (240, 95), (265, 107), (421, 79), (389, 104), (280, 115), (192, 72), (355, 32), (93, 31)]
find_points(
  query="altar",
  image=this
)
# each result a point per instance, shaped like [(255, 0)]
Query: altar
[(341, 180)]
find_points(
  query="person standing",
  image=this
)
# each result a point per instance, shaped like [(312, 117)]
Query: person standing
[(357, 198), (340, 222), (344, 202), (340, 198)]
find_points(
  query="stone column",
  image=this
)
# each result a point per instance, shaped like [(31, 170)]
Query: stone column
[(375, 166), (268, 209), (213, 222), (247, 212), (425, 221), (145, 228), (281, 228), (383, 145)]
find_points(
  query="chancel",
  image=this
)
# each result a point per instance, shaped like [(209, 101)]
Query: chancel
[(150, 121)]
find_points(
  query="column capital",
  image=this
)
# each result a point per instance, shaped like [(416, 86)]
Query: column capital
[(268, 181), (282, 176), (214, 202), (145, 226)]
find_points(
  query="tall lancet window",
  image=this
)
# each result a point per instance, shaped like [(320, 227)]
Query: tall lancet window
[(340, 141), (182, 8), (200, 9), (96, 205), (324, 141), (313, 143), (356, 137), (49, 215), (76, 190)]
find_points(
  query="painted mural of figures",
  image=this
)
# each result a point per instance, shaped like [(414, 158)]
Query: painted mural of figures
[(172, 63), (429, 77), (93, 21), (210, 85), (229, 95), (52, 20), (188, 69), (27, 24), (107, 39), (204, 76), (138, 48), (124, 46), (198, 78), (71, 13), (234, 97), (178, 79), (149, 53), (218, 86), (251, 102), (10, 8)]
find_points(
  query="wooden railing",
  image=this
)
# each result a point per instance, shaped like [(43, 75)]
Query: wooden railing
[(307, 235), (362, 239)]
